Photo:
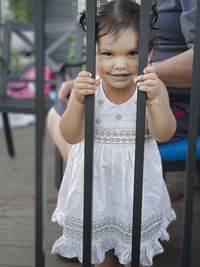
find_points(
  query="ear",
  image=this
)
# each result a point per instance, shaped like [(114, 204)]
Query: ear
[(150, 55)]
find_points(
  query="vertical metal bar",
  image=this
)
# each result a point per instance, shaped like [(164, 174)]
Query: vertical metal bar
[(58, 168), (3, 85), (8, 134), (140, 134), (79, 45), (5, 55), (39, 134), (191, 160), (89, 129)]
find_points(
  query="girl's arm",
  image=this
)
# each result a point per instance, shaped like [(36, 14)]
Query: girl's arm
[(161, 121), (72, 121)]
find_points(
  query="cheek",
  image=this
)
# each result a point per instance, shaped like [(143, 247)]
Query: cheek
[(98, 63), (101, 65), (135, 68), (98, 67)]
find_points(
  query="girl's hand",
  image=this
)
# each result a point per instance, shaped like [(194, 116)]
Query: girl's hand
[(84, 85), (149, 83)]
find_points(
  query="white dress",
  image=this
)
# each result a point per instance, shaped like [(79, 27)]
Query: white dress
[(114, 153)]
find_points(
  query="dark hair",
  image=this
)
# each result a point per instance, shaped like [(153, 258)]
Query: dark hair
[(116, 16)]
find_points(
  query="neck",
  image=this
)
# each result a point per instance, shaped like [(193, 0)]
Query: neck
[(118, 96)]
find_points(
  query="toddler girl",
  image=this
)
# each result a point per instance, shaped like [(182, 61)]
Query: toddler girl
[(114, 147)]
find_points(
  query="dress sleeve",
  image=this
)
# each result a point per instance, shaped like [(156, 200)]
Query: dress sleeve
[(188, 18)]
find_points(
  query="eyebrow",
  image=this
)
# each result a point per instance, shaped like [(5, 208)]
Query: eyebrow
[(109, 50)]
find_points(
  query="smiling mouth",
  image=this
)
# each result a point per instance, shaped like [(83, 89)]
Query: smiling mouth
[(121, 75)]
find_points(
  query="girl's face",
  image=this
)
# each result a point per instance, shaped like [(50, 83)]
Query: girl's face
[(117, 60)]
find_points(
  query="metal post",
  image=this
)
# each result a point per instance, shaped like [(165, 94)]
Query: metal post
[(89, 135), (8, 135), (140, 134), (191, 160), (58, 168), (39, 134)]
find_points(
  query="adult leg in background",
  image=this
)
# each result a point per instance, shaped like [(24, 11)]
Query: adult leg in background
[(53, 121)]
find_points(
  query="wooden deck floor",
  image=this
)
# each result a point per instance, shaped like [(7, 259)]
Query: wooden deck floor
[(17, 209)]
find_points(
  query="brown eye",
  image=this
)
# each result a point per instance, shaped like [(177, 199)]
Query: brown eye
[(107, 54), (133, 53)]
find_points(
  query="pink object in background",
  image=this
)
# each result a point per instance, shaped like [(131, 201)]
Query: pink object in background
[(27, 90)]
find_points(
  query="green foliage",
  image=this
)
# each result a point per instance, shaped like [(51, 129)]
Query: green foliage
[(71, 56), (71, 51), (22, 9)]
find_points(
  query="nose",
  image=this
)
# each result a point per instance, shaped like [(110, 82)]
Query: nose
[(120, 63)]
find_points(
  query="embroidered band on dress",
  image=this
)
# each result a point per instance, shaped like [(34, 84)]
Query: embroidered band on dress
[(117, 136), (112, 226)]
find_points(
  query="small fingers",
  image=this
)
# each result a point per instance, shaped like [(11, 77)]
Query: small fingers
[(149, 69), (148, 82), (84, 78), (145, 77), (148, 85), (85, 85), (84, 73), (86, 92), (149, 74)]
